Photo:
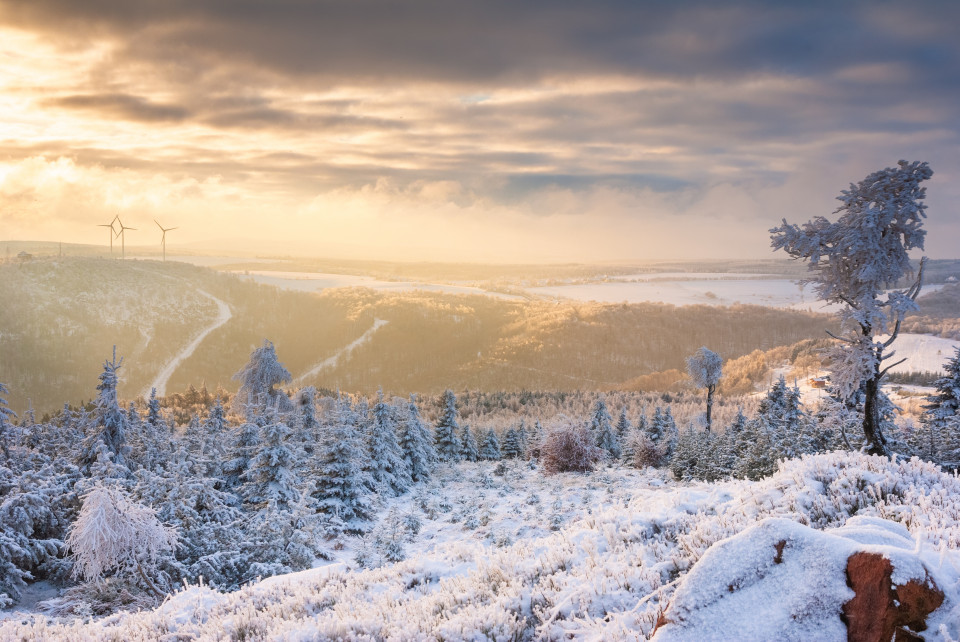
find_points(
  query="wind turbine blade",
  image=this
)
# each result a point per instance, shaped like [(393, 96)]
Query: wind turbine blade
[(171, 228), (158, 225)]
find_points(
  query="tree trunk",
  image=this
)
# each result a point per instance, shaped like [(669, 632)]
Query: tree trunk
[(710, 390), (876, 443)]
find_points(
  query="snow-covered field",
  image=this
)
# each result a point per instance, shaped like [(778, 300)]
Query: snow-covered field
[(923, 353), (690, 289), (521, 555), (318, 281)]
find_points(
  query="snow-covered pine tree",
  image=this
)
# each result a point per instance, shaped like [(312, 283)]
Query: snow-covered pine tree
[(854, 262), (510, 447), (270, 477), (416, 444), (387, 470), (341, 485), (258, 380), (468, 445), (110, 421), (244, 442), (490, 448), (5, 415), (623, 425), (445, 433), (307, 427), (154, 418), (941, 414), (601, 427)]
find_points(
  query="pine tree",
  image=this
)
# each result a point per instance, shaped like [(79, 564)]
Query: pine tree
[(468, 445), (270, 476), (386, 468), (341, 489), (490, 448), (604, 435), (416, 444), (5, 426), (244, 443), (941, 415), (154, 417), (510, 447), (445, 433), (110, 427), (854, 262), (258, 380)]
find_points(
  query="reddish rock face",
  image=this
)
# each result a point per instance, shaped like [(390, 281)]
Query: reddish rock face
[(879, 610)]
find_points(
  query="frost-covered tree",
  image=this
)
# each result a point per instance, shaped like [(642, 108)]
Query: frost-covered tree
[(855, 260), (705, 368), (270, 478), (623, 426), (416, 444), (243, 443), (445, 433), (341, 485), (942, 414), (490, 448), (5, 415), (258, 381), (385, 467), (154, 418), (468, 445), (512, 447), (115, 535), (110, 428)]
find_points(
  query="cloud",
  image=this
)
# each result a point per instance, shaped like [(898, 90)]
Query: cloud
[(122, 106)]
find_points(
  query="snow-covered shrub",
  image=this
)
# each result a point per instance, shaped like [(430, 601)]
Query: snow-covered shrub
[(114, 535), (569, 449)]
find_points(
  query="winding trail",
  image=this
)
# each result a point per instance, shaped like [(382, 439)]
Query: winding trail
[(332, 361), (223, 315)]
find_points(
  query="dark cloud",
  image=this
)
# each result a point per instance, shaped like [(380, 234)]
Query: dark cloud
[(505, 40), (122, 106)]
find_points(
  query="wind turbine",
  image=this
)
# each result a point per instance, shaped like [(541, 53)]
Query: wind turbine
[(113, 232), (123, 237), (163, 239)]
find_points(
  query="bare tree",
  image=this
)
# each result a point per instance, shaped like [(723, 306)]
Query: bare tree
[(854, 261)]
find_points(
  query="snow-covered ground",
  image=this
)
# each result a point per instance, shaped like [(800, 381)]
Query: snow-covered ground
[(521, 555), (318, 281), (923, 352), (689, 289)]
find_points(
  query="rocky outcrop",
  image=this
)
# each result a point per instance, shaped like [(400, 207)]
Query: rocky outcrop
[(780, 580)]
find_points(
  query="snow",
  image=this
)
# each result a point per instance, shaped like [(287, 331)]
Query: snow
[(488, 564), (924, 353), (319, 281), (223, 315)]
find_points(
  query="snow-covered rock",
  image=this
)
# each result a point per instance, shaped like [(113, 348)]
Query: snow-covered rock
[(781, 580)]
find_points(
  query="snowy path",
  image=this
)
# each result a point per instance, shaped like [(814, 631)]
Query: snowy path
[(223, 315), (332, 361)]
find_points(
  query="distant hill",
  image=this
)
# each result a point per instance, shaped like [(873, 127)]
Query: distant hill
[(60, 318)]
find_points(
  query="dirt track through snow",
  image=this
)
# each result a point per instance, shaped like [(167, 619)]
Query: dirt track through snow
[(332, 361), (223, 315)]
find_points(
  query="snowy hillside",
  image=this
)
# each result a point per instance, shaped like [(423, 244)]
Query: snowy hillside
[(527, 556)]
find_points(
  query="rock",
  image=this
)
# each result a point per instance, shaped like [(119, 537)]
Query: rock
[(780, 580)]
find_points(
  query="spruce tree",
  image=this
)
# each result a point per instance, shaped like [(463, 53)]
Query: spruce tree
[(490, 448), (341, 485), (269, 479), (941, 415), (468, 445), (244, 443), (5, 426), (510, 447), (386, 468), (110, 428), (258, 381), (416, 444), (445, 433)]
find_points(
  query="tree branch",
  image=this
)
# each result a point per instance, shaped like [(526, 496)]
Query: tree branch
[(884, 372), (844, 339)]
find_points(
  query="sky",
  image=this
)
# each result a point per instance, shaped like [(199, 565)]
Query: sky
[(491, 130)]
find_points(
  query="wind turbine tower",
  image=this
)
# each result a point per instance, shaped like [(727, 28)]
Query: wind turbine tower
[(123, 238), (163, 239), (113, 231)]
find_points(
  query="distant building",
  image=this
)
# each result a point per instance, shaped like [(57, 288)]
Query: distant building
[(23, 257)]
